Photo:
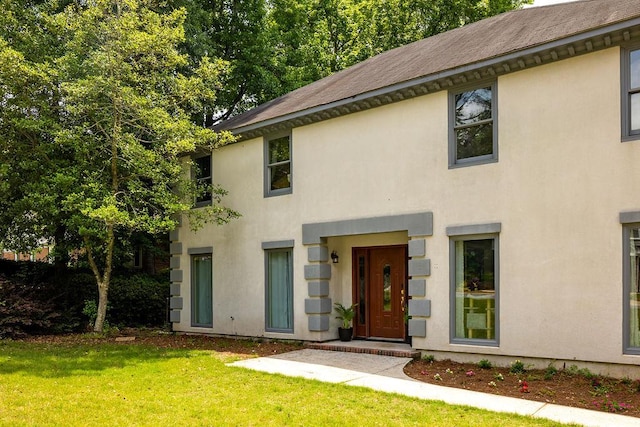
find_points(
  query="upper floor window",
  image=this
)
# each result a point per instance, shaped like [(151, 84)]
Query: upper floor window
[(277, 170), (472, 126), (631, 94), (203, 179)]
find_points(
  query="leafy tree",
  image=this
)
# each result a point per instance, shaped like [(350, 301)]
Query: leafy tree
[(315, 38), (99, 128), (236, 32)]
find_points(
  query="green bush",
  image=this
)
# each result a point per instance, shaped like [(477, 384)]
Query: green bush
[(37, 299), (517, 367), (138, 300), (485, 364)]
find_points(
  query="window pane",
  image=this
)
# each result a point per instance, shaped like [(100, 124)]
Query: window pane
[(473, 106), (201, 295), (279, 150), (361, 290), (280, 176), (475, 289), (635, 112), (634, 288), (474, 141), (203, 167), (279, 290), (635, 69), (203, 178), (386, 287)]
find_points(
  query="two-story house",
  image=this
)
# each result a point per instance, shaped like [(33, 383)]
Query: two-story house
[(475, 192)]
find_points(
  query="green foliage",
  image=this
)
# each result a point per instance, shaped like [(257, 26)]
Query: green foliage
[(33, 300), (315, 38), (429, 358), (275, 46), (517, 367), (585, 372), (346, 314), (485, 364), (550, 372), (106, 112), (138, 300)]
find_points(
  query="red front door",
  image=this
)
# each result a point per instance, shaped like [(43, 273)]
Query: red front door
[(380, 278)]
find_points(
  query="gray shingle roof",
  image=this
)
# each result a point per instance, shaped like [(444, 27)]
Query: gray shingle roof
[(457, 51)]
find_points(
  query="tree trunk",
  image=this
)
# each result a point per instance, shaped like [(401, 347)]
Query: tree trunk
[(104, 280), (103, 290)]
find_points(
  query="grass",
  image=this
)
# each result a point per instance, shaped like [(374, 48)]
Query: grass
[(125, 385)]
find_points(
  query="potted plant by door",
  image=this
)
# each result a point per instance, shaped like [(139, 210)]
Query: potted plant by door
[(346, 314)]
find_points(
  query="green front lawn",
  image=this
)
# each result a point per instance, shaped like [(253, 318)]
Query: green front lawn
[(118, 384)]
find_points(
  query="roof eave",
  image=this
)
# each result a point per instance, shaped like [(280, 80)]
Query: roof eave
[(578, 44)]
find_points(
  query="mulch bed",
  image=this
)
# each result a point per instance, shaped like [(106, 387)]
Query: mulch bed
[(568, 387)]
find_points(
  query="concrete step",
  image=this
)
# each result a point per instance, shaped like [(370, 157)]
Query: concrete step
[(382, 348)]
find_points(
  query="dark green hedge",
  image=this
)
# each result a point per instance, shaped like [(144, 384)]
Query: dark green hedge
[(37, 299)]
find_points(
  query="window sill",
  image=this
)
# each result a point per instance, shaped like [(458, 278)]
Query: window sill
[(475, 342), (473, 161), (630, 138), (276, 193)]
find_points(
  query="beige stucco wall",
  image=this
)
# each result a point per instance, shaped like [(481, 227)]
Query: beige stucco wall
[(562, 178)]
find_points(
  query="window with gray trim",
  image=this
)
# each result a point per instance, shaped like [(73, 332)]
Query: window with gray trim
[(631, 276), (474, 280), (202, 290), (203, 179), (277, 170), (472, 126), (279, 290), (631, 93)]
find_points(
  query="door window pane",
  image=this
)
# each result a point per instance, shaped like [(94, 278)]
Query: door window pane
[(279, 291), (201, 291), (361, 290), (475, 289), (386, 288)]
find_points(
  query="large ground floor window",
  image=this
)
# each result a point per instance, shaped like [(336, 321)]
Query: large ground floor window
[(279, 290), (632, 289), (474, 289), (201, 290)]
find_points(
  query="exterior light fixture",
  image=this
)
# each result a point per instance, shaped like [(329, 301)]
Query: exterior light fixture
[(334, 257)]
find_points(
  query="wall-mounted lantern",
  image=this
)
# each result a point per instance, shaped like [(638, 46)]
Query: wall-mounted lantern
[(334, 257)]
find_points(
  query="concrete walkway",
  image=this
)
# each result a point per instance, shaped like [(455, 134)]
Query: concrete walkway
[(384, 373)]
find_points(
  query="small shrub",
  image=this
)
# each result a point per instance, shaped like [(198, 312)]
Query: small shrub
[(429, 358), (574, 370), (599, 389), (517, 367), (484, 364), (550, 372)]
